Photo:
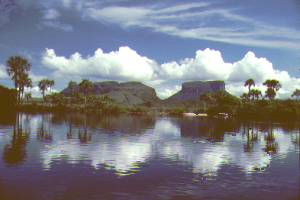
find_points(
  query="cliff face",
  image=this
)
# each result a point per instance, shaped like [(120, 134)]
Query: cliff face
[(136, 93), (128, 93), (193, 90)]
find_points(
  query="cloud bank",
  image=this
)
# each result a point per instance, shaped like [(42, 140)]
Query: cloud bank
[(206, 20), (126, 64)]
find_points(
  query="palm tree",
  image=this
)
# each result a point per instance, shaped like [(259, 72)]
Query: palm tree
[(50, 84), (86, 87), (255, 93), (296, 94), (16, 67), (45, 84), (272, 83), (270, 93), (272, 87), (245, 96), (250, 82), (25, 81), (43, 87), (28, 96)]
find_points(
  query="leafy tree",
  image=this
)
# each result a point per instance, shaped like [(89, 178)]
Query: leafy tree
[(17, 68), (43, 87), (86, 87), (50, 84), (58, 99), (272, 87), (245, 96), (25, 81), (255, 94), (296, 94), (45, 84), (249, 83), (270, 93), (272, 83), (28, 96)]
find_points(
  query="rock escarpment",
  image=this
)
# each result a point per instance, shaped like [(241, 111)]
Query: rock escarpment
[(136, 93), (128, 93), (194, 90)]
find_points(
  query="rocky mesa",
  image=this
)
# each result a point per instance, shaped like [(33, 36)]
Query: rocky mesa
[(127, 93), (136, 93), (191, 91)]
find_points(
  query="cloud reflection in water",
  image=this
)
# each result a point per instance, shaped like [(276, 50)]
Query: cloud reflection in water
[(171, 139)]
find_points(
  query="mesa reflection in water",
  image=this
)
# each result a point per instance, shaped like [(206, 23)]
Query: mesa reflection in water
[(124, 144)]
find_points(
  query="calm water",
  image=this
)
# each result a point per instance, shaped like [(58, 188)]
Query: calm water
[(137, 157)]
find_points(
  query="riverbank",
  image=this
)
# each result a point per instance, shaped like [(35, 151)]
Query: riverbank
[(210, 104), (262, 110)]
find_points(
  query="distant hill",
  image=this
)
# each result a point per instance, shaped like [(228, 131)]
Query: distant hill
[(192, 91), (128, 93), (136, 93)]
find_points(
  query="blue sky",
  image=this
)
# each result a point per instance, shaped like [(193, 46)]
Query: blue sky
[(161, 43)]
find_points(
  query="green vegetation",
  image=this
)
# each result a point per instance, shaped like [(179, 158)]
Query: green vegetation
[(89, 104), (283, 110), (8, 98), (253, 105), (272, 87), (44, 85), (249, 83), (81, 97), (86, 87), (296, 94), (18, 69), (221, 102)]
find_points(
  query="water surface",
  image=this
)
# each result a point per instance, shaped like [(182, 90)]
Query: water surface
[(50, 156)]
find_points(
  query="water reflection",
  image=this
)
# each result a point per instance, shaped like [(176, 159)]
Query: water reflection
[(15, 152), (124, 144), (44, 130)]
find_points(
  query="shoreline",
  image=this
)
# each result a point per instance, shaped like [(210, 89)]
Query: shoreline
[(37, 108)]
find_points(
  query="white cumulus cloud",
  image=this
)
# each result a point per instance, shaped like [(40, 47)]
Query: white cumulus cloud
[(126, 64), (207, 64)]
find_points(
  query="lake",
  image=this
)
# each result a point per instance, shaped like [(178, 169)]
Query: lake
[(73, 156)]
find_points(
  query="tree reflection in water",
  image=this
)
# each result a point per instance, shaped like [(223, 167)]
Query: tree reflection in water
[(252, 137), (271, 145), (83, 135), (295, 138), (15, 152), (124, 142), (212, 130), (70, 131), (44, 134)]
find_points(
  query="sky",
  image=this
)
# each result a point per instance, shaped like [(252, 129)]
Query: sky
[(160, 43)]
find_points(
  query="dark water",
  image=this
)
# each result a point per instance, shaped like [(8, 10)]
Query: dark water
[(138, 157)]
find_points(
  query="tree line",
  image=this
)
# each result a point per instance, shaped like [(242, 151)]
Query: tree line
[(18, 69), (273, 87)]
